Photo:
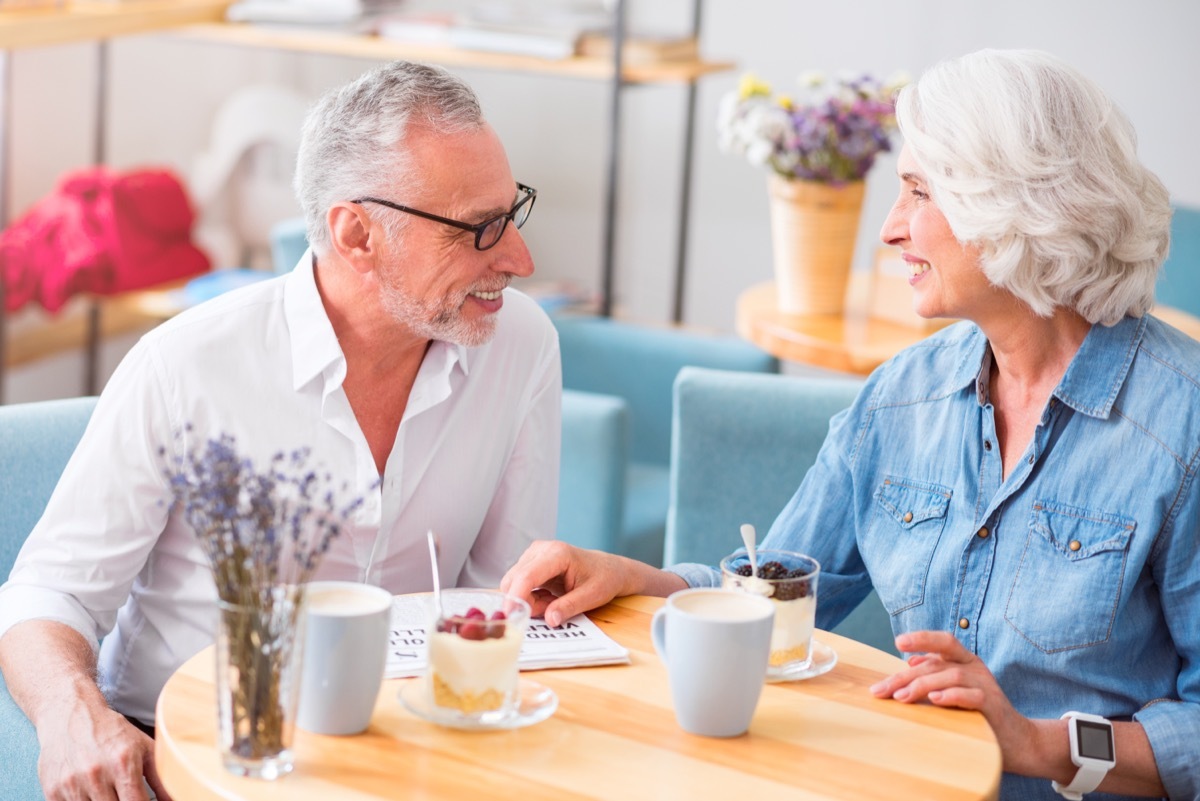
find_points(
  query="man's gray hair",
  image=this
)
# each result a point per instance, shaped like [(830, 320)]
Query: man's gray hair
[(352, 143), (1032, 163)]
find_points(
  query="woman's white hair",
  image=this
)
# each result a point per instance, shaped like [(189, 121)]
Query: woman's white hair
[(1033, 164), (352, 143)]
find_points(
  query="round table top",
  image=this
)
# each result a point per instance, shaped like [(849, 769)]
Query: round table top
[(613, 736), (851, 342)]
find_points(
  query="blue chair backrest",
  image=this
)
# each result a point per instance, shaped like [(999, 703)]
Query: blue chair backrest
[(591, 476), (289, 240), (741, 445), (1179, 283), (36, 440), (639, 364)]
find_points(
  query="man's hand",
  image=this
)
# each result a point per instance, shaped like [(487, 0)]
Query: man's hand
[(560, 581), (96, 754), (88, 751)]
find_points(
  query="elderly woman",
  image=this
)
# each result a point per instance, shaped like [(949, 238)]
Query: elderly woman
[(1020, 488)]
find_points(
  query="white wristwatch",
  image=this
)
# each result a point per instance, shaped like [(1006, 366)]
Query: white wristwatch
[(1092, 749)]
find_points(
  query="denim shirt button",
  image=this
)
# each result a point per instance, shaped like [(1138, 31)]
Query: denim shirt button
[(963, 623), (1031, 460), (908, 517), (982, 533), (1074, 545), (987, 444)]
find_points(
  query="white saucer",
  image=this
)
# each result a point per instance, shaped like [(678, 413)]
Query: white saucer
[(537, 704), (824, 658)]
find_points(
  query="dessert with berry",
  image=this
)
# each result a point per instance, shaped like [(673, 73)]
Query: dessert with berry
[(473, 655), (790, 581)]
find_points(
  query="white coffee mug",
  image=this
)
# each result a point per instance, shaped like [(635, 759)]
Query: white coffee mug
[(345, 649), (715, 644)]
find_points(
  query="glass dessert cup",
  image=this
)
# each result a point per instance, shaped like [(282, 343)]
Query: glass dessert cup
[(789, 579), (473, 649)]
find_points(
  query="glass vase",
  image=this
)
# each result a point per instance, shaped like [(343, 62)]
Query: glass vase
[(259, 651)]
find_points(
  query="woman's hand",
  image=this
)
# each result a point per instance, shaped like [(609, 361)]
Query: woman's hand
[(946, 674), (560, 581)]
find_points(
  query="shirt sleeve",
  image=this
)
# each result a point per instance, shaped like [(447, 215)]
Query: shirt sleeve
[(107, 511), (525, 506), (1172, 724)]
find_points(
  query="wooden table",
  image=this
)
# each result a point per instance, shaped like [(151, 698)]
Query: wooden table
[(852, 342), (614, 736)]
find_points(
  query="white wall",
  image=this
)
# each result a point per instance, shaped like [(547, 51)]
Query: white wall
[(165, 90)]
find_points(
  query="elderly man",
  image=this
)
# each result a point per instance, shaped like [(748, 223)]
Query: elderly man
[(395, 351)]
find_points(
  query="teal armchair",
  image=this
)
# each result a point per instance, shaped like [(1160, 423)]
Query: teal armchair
[(742, 444), (639, 364), (591, 476), (289, 240), (1179, 283), (36, 440)]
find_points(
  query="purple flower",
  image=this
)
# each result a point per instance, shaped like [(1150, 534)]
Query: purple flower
[(833, 134), (259, 530)]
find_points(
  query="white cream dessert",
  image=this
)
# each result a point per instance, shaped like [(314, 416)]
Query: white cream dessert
[(794, 596), (473, 665), (792, 630)]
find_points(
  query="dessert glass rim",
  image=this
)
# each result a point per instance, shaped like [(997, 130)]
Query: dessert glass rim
[(740, 557)]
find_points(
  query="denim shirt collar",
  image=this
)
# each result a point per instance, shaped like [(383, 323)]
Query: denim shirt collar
[(1093, 378)]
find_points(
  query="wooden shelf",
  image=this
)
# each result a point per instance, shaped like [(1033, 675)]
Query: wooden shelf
[(119, 314), (89, 21), (381, 49)]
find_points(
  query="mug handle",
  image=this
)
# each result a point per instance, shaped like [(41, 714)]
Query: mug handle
[(658, 632)]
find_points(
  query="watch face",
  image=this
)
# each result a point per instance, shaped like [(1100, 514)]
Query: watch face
[(1095, 740)]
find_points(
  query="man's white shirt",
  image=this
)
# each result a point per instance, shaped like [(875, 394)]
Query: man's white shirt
[(475, 459)]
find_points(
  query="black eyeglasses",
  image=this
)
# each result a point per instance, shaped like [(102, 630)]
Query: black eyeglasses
[(488, 232)]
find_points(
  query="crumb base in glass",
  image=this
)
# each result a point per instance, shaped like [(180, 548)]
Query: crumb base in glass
[(823, 660), (797, 653), (466, 701), (535, 703)]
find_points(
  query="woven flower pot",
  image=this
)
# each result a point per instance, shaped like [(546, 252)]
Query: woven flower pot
[(813, 230)]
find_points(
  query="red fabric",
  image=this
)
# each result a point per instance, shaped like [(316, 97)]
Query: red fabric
[(101, 232)]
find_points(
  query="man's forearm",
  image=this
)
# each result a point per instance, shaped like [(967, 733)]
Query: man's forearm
[(48, 665)]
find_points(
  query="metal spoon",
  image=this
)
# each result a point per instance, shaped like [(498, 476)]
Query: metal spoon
[(754, 583), (435, 547), (748, 537)]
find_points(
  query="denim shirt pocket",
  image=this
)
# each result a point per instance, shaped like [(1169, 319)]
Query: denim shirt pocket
[(1068, 582), (909, 523)]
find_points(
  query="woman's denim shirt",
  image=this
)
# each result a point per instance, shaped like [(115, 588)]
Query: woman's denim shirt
[(1077, 579)]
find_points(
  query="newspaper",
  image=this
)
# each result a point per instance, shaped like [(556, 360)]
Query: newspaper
[(576, 643)]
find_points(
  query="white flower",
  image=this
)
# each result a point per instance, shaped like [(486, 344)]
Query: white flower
[(811, 79)]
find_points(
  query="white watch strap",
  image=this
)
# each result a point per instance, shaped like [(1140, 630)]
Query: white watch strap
[(1087, 778)]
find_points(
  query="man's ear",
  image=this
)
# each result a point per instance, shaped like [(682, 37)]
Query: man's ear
[(352, 235)]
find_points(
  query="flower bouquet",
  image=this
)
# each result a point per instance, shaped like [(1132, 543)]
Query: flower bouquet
[(819, 146), (264, 533), (830, 133)]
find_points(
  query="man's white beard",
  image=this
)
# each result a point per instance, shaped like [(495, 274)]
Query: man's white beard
[(443, 321)]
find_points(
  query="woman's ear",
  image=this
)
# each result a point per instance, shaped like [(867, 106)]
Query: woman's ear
[(352, 235)]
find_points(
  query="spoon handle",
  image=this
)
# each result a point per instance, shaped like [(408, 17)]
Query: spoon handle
[(434, 553), (748, 537)]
